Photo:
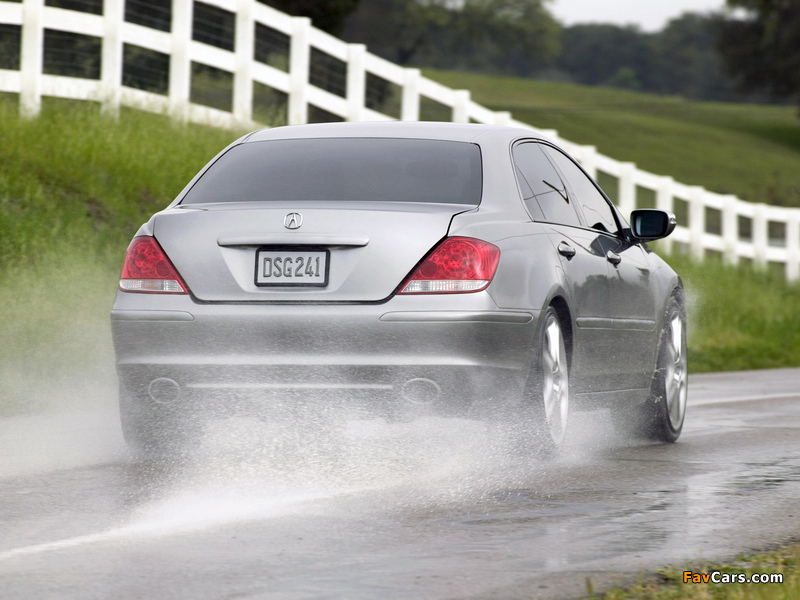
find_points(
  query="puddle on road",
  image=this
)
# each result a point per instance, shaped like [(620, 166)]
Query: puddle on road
[(763, 476), (246, 463), (247, 470)]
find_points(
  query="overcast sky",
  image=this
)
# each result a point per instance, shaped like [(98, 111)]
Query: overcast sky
[(649, 15)]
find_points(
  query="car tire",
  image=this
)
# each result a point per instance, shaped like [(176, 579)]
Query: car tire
[(664, 412), (546, 398)]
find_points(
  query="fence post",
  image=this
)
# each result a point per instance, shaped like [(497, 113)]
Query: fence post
[(502, 117), (760, 235), (550, 134), (627, 189), (180, 64), (111, 63), (244, 44), (697, 221), (730, 230), (587, 160), (409, 110), (31, 55), (793, 246), (299, 68), (356, 81), (665, 201), (461, 106)]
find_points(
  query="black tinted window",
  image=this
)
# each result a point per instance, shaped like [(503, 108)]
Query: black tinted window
[(596, 209), (542, 189), (344, 169)]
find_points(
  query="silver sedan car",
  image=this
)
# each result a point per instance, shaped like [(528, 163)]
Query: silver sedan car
[(406, 268)]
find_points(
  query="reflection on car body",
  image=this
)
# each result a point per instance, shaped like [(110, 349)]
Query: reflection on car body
[(466, 268)]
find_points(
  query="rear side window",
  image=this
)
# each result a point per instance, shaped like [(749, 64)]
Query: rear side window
[(344, 169), (543, 192), (596, 210)]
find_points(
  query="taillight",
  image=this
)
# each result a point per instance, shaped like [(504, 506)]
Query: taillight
[(456, 266), (148, 269)]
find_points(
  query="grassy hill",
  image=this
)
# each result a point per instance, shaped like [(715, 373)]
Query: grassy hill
[(748, 150), (75, 186)]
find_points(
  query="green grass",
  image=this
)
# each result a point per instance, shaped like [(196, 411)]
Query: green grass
[(72, 178), (670, 583), (748, 150), (75, 186), (739, 318)]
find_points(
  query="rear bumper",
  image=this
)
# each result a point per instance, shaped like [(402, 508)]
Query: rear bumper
[(451, 352)]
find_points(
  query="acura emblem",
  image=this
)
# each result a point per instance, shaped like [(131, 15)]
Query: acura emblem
[(293, 221)]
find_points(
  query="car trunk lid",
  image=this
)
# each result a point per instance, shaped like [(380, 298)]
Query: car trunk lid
[(369, 248)]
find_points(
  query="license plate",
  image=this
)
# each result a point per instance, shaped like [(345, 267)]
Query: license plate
[(295, 267)]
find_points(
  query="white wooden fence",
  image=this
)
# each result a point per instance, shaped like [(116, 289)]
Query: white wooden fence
[(708, 222)]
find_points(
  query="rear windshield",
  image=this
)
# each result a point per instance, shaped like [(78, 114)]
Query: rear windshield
[(344, 169)]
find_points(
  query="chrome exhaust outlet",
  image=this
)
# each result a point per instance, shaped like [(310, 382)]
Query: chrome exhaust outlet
[(420, 391), (164, 390)]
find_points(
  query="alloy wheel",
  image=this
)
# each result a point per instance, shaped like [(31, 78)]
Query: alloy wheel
[(675, 380), (555, 380)]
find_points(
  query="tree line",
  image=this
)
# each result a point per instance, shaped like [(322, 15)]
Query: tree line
[(750, 54)]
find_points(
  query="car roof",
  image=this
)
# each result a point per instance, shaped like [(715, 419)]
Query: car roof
[(459, 132)]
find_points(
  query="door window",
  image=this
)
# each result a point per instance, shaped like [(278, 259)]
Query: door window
[(543, 192), (596, 209)]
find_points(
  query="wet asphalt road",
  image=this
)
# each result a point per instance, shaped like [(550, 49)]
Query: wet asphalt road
[(430, 509)]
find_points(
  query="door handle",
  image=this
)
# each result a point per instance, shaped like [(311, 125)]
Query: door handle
[(613, 257), (565, 249)]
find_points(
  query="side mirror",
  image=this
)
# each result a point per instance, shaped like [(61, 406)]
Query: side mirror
[(648, 224)]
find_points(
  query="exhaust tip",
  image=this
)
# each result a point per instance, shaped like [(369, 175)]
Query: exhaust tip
[(420, 390), (163, 390)]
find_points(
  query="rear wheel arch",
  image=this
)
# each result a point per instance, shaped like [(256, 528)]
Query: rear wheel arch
[(545, 403)]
